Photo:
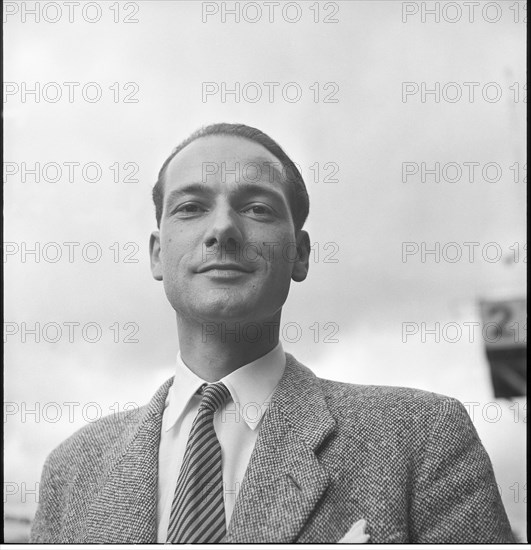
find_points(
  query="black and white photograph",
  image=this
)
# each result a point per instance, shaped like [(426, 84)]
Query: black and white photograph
[(265, 272)]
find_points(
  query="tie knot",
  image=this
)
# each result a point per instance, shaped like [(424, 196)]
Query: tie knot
[(214, 396)]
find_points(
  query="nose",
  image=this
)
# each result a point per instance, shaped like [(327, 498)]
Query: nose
[(224, 234)]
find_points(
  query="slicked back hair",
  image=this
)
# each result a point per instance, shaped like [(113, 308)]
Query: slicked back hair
[(297, 194)]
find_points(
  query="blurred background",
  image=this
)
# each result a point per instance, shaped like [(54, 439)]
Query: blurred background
[(408, 122)]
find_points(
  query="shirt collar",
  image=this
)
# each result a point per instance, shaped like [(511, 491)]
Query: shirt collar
[(250, 387)]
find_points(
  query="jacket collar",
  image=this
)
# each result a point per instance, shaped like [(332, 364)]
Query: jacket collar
[(283, 482), (249, 385)]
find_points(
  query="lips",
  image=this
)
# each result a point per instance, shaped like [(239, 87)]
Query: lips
[(223, 266)]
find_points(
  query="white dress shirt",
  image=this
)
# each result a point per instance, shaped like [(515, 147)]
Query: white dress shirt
[(236, 424)]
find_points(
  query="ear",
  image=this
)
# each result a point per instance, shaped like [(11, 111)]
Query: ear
[(301, 264), (154, 254)]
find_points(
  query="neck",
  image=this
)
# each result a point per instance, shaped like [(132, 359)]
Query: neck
[(215, 349)]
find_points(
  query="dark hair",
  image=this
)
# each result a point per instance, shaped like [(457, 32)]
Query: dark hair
[(297, 194)]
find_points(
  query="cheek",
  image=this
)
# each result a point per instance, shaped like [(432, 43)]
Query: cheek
[(175, 249), (277, 271), (284, 256), (277, 245), (166, 251)]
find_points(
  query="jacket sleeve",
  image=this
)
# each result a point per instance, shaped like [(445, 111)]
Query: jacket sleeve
[(46, 525), (455, 498)]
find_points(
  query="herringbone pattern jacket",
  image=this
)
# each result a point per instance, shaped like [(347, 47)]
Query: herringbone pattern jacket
[(328, 454)]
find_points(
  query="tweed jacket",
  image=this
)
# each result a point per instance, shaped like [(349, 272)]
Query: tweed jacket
[(328, 454)]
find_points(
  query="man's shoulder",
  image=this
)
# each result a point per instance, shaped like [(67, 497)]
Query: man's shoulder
[(383, 406), (103, 439), (386, 407), (371, 395), (96, 440), (376, 396)]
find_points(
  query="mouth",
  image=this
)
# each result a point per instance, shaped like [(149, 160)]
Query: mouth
[(226, 268)]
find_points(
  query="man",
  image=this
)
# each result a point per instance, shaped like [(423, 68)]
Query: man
[(245, 444)]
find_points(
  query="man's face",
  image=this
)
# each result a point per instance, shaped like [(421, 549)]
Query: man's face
[(227, 249)]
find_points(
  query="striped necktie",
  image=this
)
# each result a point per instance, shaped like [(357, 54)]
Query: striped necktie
[(198, 510)]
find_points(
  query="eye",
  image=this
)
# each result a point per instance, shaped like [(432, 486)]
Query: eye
[(189, 209), (259, 210)]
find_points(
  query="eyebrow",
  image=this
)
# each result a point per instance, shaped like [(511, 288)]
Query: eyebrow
[(191, 189), (257, 189)]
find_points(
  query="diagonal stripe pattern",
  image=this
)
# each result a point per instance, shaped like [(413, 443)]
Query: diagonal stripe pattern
[(198, 510)]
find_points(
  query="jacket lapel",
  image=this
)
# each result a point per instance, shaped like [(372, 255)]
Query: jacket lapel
[(125, 508), (284, 480)]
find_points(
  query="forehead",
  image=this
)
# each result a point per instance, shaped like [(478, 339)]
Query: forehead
[(215, 159)]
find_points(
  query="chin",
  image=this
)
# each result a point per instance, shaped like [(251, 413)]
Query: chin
[(230, 313)]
